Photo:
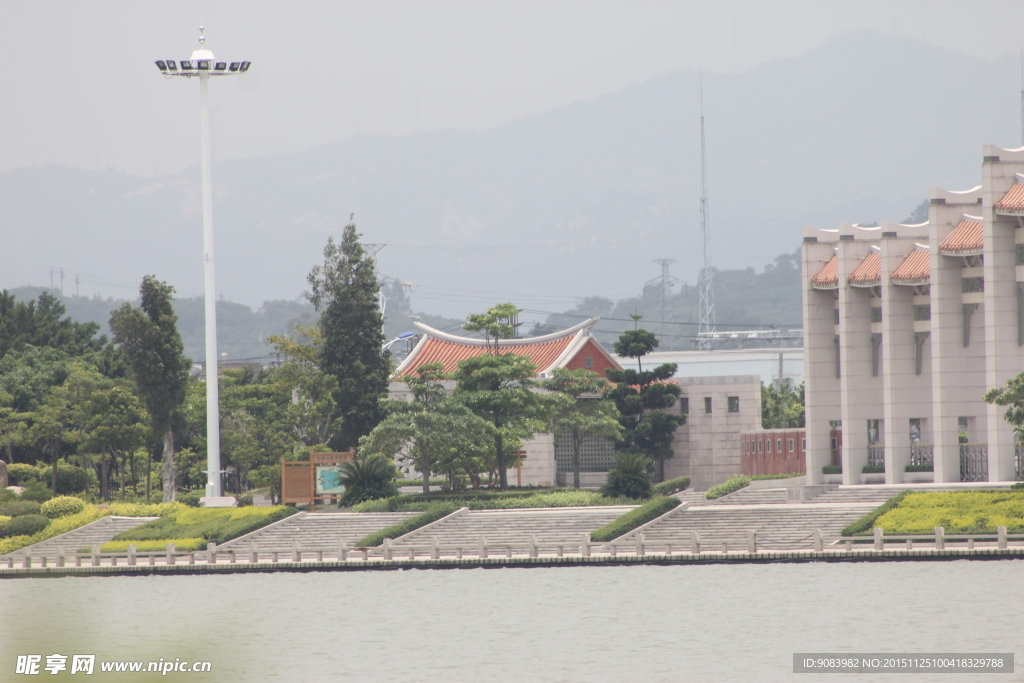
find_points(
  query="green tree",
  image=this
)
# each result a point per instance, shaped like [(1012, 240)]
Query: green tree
[(629, 478), (499, 389), (635, 344), (441, 433), (642, 397), (115, 426), (368, 479), (1011, 395), (344, 291), (42, 323), (586, 414), (497, 323), (149, 337), (782, 407)]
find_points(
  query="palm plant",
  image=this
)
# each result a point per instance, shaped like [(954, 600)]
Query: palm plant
[(368, 479), (630, 478)]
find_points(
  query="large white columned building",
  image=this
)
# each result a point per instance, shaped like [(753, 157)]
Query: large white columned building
[(905, 329)]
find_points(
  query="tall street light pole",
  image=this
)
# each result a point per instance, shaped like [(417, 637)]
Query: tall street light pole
[(203, 65)]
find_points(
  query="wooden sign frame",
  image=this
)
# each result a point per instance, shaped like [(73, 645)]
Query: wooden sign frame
[(298, 479)]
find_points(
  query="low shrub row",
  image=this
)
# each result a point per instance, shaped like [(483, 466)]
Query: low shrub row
[(17, 508), (730, 486), (866, 523), (873, 469), (213, 524), (182, 544), (70, 479), (919, 468), (832, 469), (544, 499), (24, 525), (787, 475), (636, 517), (667, 488), (435, 512)]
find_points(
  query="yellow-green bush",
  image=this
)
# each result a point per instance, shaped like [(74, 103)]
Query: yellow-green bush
[(61, 506), (144, 510), (182, 544), (4, 519), (56, 528), (956, 512), (213, 524)]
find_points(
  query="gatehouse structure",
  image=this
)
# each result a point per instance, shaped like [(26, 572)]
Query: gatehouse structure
[(907, 326)]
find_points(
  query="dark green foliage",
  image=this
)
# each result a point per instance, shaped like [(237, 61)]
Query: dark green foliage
[(20, 474), (432, 514), (636, 517), (643, 398), (782, 407), (245, 500), (832, 469), (730, 486), (71, 479), (1018, 485), (18, 508), (191, 498), (213, 524), (368, 479), (919, 468), (37, 491), (629, 478), (873, 469), (787, 475), (667, 488), (867, 522), (636, 344), (344, 290), (42, 323), (26, 525)]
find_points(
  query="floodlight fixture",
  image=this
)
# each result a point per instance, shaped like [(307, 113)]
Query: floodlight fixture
[(202, 65)]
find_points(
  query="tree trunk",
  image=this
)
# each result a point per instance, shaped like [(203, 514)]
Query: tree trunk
[(425, 461), (167, 473), (499, 447), (54, 451), (149, 471), (577, 443), (104, 475), (10, 454)]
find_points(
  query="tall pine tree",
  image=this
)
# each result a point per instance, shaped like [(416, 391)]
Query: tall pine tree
[(344, 291)]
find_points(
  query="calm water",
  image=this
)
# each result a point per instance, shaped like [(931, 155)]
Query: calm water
[(713, 623)]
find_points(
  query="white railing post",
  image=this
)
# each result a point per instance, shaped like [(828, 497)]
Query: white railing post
[(639, 545), (387, 548), (694, 543), (95, 556), (296, 553), (342, 551), (533, 545), (584, 546), (482, 554), (1001, 537), (879, 541), (211, 553), (60, 557), (940, 538), (817, 540), (254, 553), (170, 553), (435, 549), (131, 555), (752, 542)]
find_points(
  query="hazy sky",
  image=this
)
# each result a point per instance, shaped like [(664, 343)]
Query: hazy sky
[(81, 88)]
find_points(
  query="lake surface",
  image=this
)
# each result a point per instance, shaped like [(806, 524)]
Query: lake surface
[(647, 623)]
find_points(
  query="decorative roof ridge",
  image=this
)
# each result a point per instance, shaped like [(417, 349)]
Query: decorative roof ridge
[(584, 326)]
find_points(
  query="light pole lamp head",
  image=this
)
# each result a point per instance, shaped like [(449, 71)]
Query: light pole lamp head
[(201, 63)]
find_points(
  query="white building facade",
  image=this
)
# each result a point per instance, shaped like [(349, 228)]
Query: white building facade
[(907, 326)]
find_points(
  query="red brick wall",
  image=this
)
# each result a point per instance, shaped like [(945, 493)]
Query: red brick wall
[(600, 363), (777, 451)]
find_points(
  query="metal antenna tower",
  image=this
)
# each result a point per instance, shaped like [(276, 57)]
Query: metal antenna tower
[(665, 283), (707, 299), (372, 250)]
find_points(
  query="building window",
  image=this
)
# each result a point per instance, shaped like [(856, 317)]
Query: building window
[(684, 406), (588, 361), (759, 444), (767, 445), (778, 445), (790, 445), (923, 312), (969, 285), (803, 444), (707, 404), (876, 314), (1020, 254), (835, 316), (835, 443), (734, 404)]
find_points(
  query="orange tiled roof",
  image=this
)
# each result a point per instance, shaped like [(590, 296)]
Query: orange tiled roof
[(869, 272), (1012, 201), (828, 276), (967, 240), (545, 352), (916, 269)]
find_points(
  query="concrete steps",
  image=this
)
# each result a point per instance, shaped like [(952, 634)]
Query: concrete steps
[(551, 526), (748, 496), (97, 533), (778, 526), (855, 494), (318, 530)]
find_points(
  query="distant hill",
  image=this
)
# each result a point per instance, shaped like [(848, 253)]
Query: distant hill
[(562, 204)]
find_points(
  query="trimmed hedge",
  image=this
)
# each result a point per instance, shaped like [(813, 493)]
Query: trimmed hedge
[(787, 475), (919, 468), (61, 506), (730, 486), (958, 512), (20, 474), (213, 524), (546, 499), (19, 507), (866, 523), (636, 517), (180, 544), (832, 469), (26, 525), (873, 469), (667, 488), (434, 513)]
